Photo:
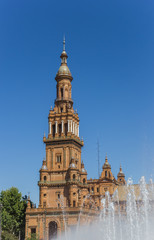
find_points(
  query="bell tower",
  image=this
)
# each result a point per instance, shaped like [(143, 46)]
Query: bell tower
[(63, 144)]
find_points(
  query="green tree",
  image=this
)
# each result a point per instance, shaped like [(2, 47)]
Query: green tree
[(13, 214)]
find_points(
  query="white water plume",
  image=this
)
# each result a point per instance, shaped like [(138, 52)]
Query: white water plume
[(127, 215)]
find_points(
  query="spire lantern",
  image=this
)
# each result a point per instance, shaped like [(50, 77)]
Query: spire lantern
[(64, 71), (121, 174), (106, 164)]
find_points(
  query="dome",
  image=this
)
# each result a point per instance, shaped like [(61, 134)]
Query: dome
[(106, 164), (72, 165), (121, 174), (64, 70), (44, 167), (83, 170)]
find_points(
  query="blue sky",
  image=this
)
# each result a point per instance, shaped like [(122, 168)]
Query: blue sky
[(110, 45)]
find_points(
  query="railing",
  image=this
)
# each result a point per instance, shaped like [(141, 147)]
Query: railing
[(65, 137), (64, 98), (63, 182)]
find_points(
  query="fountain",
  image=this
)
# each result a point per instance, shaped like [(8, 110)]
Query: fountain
[(127, 215)]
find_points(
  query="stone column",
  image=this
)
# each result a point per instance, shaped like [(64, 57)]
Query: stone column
[(50, 127), (71, 125), (68, 125), (75, 129)]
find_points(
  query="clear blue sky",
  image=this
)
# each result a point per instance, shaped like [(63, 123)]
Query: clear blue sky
[(110, 45)]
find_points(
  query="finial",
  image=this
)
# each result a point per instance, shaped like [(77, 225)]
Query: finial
[(106, 158), (64, 43), (28, 195), (44, 134), (120, 168)]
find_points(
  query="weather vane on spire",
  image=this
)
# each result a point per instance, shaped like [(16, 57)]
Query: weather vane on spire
[(64, 43)]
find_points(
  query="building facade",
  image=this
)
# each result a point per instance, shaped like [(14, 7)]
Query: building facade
[(65, 193)]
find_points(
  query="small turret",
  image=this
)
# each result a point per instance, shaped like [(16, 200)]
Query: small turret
[(121, 177), (28, 203), (83, 174), (44, 166), (106, 173), (82, 168), (106, 164)]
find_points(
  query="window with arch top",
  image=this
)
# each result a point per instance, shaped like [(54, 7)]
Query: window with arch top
[(74, 177), (45, 178)]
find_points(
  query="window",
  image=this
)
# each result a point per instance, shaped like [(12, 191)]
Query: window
[(88, 189), (53, 130), (105, 173), (97, 189), (45, 178), (58, 158), (66, 128), (74, 203), (33, 232), (58, 205), (59, 128), (92, 189), (61, 90), (84, 181), (58, 195), (44, 204), (44, 195), (61, 110), (73, 177), (74, 194)]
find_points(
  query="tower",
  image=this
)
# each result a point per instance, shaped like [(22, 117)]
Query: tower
[(65, 194), (60, 172)]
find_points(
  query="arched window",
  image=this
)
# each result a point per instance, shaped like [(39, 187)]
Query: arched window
[(105, 173), (53, 130), (84, 181), (59, 129), (74, 177), (45, 178), (61, 90), (74, 203), (53, 230)]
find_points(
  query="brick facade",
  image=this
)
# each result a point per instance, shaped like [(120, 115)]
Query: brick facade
[(65, 194)]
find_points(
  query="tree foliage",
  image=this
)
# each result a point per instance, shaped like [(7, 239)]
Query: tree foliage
[(13, 213), (8, 236)]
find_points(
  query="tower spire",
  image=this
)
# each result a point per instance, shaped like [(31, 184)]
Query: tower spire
[(64, 43)]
